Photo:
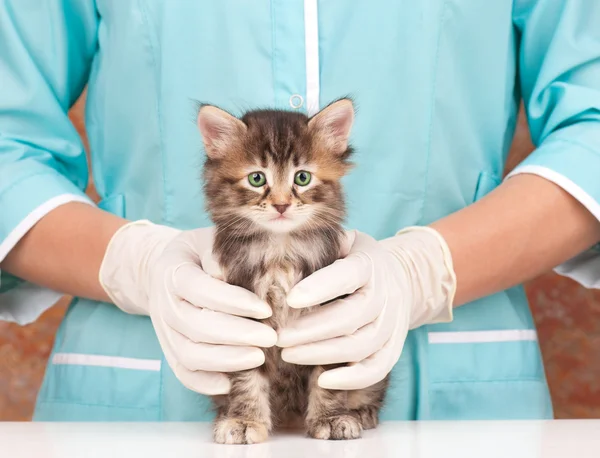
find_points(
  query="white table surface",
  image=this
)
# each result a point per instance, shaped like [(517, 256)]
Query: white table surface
[(519, 439)]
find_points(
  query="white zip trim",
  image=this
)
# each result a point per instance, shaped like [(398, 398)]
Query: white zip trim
[(119, 362), (508, 335), (311, 44)]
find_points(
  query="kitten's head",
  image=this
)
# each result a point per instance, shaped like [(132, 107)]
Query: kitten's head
[(277, 171)]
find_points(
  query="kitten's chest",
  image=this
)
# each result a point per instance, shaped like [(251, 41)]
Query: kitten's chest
[(271, 270), (279, 277), (271, 266)]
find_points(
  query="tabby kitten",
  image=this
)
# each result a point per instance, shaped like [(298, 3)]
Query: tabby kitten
[(272, 185)]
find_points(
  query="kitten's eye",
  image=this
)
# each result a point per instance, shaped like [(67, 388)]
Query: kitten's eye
[(302, 178), (257, 179)]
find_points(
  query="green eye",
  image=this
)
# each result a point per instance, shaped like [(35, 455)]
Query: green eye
[(257, 179), (302, 178)]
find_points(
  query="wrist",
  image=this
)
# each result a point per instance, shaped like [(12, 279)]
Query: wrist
[(426, 261), (124, 273)]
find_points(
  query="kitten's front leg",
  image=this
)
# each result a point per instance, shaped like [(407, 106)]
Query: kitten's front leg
[(246, 418), (365, 404), (328, 415)]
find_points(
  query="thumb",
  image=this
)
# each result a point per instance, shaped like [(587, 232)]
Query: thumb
[(211, 266), (347, 243)]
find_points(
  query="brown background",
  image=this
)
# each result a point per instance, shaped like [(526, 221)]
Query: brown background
[(568, 319)]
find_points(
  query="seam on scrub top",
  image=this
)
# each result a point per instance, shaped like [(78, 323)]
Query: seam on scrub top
[(588, 148), (144, 11), (274, 53), (83, 404), (59, 338), (508, 380), (431, 107), (160, 387), (58, 341), (27, 177)]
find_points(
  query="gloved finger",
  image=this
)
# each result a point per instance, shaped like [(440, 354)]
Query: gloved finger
[(347, 349), (211, 266), (213, 358), (339, 318), (208, 326), (369, 371), (342, 277), (207, 383), (194, 285)]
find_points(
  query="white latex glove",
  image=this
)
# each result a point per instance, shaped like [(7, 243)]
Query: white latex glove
[(395, 285), (200, 321)]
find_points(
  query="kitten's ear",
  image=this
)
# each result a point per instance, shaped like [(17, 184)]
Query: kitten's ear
[(219, 130), (332, 125)]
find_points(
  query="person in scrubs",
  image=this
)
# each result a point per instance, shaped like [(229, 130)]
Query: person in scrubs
[(441, 242)]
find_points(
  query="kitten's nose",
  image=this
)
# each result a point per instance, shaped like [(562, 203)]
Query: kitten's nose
[(281, 208)]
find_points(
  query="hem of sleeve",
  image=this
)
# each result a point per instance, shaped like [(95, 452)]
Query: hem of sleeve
[(584, 268), (37, 298)]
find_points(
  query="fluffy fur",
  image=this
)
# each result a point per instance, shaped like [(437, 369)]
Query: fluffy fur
[(268, 238)]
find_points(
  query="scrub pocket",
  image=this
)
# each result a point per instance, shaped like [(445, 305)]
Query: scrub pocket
[(501, 380), (105, 366), (487, 364)]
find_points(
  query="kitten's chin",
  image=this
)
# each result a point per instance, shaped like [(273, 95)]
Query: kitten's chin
[(281, 224)]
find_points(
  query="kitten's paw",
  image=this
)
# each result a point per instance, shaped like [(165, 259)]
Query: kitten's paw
[(335, 428), (235, 431), (368, 417)]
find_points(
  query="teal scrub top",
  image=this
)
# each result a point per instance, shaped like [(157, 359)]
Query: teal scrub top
[(437, 85)]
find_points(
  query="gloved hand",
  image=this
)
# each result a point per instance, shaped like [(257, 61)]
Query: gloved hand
[(395, 285), (200, 321)]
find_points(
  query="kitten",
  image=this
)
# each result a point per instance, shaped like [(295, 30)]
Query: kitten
[(272, 183)]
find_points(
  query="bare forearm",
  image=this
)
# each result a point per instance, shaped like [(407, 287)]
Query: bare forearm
[(522, 229), (64, 250)]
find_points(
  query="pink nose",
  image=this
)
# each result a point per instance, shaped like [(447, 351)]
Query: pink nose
[(281, 208)]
